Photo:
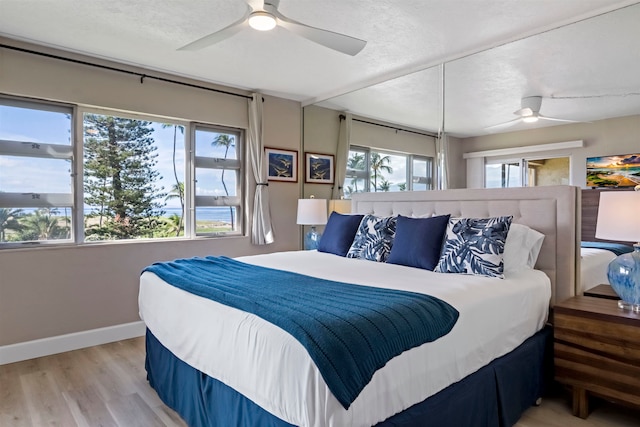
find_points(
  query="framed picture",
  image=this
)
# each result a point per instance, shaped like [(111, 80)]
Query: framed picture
[(622, 170), (319, 168), (282, 164)]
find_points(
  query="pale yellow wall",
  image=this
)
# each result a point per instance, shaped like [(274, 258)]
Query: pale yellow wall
[(46, 292), (553, 172), (601, 138), (321, 127), (457, 166)]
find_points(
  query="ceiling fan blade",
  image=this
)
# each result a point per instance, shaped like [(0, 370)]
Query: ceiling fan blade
[(553, 119), (220, 35), (504, 125), (336, 41)]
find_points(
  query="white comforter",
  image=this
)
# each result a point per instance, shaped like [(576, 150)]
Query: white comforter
[(271, 368)]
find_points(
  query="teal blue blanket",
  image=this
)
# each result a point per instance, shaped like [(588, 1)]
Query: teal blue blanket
[(349, 331)]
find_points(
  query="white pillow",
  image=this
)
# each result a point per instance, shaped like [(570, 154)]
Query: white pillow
[(521, 248)]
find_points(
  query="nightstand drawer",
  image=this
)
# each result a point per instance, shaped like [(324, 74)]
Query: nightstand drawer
[(597, 351), (614, 339), (598, 373)]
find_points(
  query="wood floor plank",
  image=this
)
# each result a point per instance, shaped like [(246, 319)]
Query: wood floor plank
[(169, 417), (106, 386), (44, 400), (132, 411), (13, 409), (95, 361), (88, 408), (128, 367)]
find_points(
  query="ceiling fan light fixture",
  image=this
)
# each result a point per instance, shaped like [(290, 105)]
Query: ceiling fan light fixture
[(530, 119), (262, 21)]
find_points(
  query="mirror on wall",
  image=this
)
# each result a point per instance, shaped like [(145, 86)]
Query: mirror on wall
[(583, 72), (587, 72), (393, 128), (413, 101)]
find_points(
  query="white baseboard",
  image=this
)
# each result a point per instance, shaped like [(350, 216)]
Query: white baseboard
[(61, 343)]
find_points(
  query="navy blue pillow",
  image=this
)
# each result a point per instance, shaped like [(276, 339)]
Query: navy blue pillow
[(339, 233), (418, 241)]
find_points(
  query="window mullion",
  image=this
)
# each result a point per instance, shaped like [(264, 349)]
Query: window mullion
[(36, 200), (35, 149)]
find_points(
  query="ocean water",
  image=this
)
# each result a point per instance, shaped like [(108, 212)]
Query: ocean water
[(630, 170), (206, 214), (202, 214)]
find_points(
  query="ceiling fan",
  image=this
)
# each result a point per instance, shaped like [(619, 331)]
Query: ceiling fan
[(267, 18), (529, 113)]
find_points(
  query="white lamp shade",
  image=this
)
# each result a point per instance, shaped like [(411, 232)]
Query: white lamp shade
[(342, 206), (619, 216), (312, 211)]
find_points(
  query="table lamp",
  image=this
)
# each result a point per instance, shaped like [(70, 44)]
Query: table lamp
[(312, 212), (619, 219)]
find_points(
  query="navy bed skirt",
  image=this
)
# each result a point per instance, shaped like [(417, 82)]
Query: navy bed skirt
[(494, 396)]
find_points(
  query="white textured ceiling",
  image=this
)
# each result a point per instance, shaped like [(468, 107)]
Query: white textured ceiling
[(597, 56)]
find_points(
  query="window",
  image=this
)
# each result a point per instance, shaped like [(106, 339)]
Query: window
[(502, 175), (421, 173), (133, 171), (374, 170), (217, 177), (532, 171), (36, 164), (135, 178)]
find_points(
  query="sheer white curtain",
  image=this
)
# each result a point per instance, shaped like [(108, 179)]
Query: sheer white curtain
[(261, 228), (442, 160), (442, 144), (342, 155)]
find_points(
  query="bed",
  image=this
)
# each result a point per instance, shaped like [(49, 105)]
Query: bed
[(595, 254), (217, 365)]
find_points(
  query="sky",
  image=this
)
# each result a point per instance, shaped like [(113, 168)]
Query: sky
[(38, 175), (627, 160)]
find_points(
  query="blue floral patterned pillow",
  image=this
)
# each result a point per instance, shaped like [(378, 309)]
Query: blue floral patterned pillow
[(374, 238), (475, 246)]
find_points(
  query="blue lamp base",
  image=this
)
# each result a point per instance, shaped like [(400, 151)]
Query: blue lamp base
[(311, 239), (624, 275)]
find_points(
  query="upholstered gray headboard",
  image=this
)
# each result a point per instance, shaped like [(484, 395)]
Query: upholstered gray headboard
[(553, 211)]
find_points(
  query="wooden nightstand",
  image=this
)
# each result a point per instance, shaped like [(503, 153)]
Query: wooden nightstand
[(602, 291), (597, 351)]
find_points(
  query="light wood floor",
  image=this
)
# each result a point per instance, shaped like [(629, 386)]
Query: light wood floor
[(106, 386)]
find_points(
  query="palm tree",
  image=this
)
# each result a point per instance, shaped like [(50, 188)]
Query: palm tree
[(9, 221), (178, 185), (177, 192), (355, 162), (174, 224), (42, 225), (384, 185), (402, 187), (379, 164), (227, 141)]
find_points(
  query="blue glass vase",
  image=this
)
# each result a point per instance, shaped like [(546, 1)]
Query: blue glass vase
[(624, 276), (311, 239)]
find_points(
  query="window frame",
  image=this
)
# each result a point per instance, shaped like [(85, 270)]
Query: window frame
[(216, 163), (409, 158), (75, 152), (32, 200)]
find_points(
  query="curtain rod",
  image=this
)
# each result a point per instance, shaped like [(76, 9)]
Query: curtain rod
[(342, 117), (120, 70)]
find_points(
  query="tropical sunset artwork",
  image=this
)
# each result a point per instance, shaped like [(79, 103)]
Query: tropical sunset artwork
[(613, 171)]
